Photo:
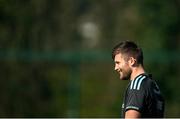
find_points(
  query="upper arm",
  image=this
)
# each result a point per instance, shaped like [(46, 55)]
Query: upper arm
[(136, 98), (132, 114)]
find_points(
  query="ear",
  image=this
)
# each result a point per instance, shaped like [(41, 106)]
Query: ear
[(132, 61)]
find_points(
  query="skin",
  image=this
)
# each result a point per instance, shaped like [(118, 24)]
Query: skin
[(128, 69)]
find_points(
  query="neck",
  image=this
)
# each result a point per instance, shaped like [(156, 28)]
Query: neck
[(137, 71)]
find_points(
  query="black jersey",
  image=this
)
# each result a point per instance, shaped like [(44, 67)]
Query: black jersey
[(143, 95)]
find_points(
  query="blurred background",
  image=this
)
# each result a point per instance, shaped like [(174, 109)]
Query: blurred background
[(55, 55)]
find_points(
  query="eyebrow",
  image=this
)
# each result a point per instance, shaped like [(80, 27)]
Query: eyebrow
[(116, 61)]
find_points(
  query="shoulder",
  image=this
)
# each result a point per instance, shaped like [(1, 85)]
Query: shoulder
[(140, 82)]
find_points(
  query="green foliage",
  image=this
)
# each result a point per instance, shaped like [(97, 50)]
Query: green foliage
[(55, 55)]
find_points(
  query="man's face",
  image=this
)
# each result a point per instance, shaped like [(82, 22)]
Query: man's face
[(122, 67)]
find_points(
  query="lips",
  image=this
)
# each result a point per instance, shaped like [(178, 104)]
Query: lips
[(120, 73)]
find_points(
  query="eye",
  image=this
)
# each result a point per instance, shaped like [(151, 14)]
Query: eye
[(117, 62)]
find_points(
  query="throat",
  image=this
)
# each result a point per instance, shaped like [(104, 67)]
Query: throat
[(136, 71)]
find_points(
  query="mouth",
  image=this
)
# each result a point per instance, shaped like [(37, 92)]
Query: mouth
[(120, 73)]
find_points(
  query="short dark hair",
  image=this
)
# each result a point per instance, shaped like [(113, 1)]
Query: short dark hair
[(130, 49)]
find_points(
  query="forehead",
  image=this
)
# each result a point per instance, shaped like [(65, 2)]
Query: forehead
[(118, 57)]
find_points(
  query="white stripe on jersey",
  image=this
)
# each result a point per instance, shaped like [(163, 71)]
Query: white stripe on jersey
[(139, 84), (132, 82), (136, 83)]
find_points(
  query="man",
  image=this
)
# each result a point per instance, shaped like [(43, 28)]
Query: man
[(142, 98)]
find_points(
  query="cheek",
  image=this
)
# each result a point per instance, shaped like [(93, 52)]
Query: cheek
[(125, 67)]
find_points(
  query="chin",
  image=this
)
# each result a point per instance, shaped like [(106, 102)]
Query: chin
[(124, 78)]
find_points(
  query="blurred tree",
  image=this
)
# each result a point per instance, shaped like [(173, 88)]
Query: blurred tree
[(49, 46)]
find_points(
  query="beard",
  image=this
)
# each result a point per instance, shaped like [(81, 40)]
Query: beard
[(125, 74)]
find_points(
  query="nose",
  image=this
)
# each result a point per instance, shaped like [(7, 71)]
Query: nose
[(116, 67)]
